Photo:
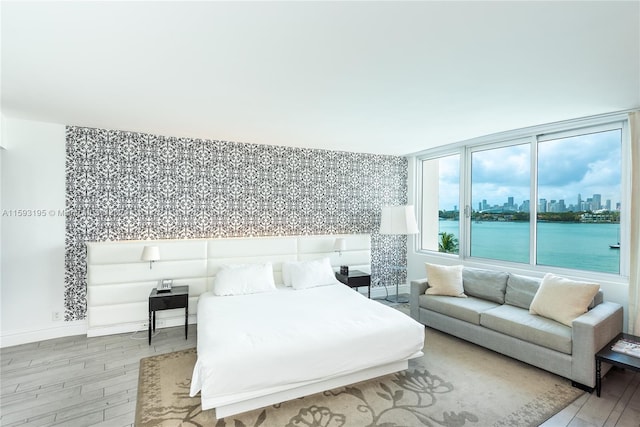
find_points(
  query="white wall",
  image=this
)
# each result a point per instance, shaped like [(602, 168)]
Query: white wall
[(33, 233), (616, 292)]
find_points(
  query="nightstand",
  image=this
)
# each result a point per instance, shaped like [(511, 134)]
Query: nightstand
[(356, 279), (178, 297)]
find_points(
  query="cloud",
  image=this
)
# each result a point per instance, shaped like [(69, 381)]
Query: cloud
[(507, 166), (586, 165)]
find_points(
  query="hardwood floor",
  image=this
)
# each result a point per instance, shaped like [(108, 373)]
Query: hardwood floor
[(80, 381), (619, 404)]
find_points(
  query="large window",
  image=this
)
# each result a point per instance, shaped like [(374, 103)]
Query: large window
[(579, 201), (500, 191), (551, 197)]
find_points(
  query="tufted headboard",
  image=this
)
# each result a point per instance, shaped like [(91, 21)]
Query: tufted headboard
[(118, 283)]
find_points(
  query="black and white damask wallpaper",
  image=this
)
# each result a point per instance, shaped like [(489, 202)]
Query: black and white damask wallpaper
[(126, 185)]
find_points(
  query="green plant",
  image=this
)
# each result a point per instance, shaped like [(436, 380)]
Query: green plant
[(448, 243)]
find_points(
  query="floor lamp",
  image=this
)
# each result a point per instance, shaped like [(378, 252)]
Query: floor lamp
[(398, 220)]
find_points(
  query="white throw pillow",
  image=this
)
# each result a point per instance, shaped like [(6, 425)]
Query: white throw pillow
[(445, 280), (241, 279), (308, 274), (561, 299)]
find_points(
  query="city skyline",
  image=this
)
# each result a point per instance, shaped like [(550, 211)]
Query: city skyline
[(594, 203)]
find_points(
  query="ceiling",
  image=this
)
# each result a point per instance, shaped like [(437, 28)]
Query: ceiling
[(377, 77)]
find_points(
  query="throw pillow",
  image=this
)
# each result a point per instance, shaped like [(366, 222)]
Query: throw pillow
[(521, 290), (561, 299), (242, 279), (485, 284), (445, 280)]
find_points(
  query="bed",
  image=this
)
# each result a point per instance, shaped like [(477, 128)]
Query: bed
[(263, 348), (330, 336)]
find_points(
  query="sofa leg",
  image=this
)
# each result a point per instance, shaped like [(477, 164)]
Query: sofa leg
[(582, 387)]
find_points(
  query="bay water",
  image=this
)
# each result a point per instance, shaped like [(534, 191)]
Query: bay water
[(581, 246)]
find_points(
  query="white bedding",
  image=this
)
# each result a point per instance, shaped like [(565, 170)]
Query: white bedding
[(249, 345)]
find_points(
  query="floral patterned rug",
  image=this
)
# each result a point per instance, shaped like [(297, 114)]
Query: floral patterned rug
[(455, 384)]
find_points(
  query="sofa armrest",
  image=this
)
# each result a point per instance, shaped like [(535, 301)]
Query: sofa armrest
[(418, 287), (590, 332)]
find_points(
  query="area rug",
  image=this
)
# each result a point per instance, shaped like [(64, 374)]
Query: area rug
[(454, 384)]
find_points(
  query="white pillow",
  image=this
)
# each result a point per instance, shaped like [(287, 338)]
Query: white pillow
[(445, 280), (241, 279), (308, 274), (286, 272), (561, 299)]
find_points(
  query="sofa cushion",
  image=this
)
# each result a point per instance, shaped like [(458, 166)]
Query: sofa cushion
[(467, 309), (519, 323), (562, 299), (445, 280), (485, 284), (521, 290)]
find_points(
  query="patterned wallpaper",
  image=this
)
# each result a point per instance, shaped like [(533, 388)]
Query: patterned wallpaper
[(126, 185)]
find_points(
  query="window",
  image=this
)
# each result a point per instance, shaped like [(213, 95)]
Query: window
[(579, 201), (500, 188), (441, 196), (549, 196)]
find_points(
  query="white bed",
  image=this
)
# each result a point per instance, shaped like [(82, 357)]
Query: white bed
[(346, 341), (260, 349)]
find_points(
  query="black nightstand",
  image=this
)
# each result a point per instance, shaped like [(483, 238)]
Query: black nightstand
[(356, 279), (178, 297)]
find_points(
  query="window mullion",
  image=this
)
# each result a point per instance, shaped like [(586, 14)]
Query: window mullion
[(465, 197), (533, 203)]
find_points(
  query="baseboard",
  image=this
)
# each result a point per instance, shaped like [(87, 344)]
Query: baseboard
[(64, 329), (142, 326)]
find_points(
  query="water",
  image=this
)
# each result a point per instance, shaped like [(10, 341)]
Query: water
[(560, 244)]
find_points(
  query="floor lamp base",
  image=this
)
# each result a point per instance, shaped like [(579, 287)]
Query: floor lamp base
[(396, 298)]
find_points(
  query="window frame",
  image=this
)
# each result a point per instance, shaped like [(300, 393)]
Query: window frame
[(436, 154), (533, 136)]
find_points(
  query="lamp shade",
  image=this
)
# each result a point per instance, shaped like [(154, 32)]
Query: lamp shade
[(150, 253), (398, 220), (340, 244)]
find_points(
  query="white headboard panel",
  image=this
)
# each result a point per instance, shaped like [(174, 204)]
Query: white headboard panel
[(118, 283)]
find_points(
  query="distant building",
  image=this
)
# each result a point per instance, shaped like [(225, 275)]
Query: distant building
[(542, 205)]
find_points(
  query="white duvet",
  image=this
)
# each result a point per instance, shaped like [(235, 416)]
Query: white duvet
[(249, 345)]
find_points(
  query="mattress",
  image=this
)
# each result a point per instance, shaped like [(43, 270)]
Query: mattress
[(251, 345)]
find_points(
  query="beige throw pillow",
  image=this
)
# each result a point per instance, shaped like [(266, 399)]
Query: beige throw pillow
[(445, 280), (561, 299)]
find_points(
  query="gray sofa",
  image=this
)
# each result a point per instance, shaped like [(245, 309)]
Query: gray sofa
[(496, 316)]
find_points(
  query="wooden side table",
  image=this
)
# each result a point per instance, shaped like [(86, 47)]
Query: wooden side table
[(356, 279), (178, 297)]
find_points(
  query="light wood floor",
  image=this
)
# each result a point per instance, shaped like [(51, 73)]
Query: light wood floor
[(80, 381)]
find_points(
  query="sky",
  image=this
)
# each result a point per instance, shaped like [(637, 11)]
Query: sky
[(586, 165)]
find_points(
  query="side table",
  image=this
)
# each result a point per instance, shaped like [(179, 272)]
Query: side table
[(614, 358), (178, 297), (356, 279)]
